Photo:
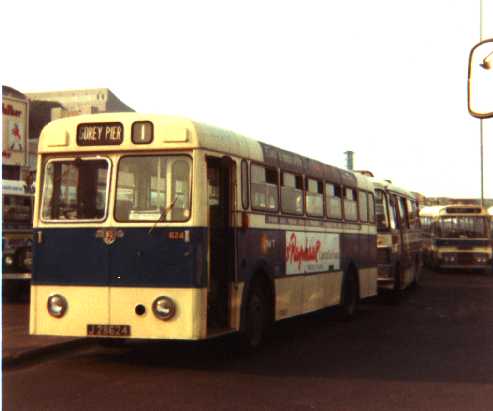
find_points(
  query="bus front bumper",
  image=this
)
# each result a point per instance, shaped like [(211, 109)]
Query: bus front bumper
[(118, 312)]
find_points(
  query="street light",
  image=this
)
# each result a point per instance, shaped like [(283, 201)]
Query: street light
[(480, 84)]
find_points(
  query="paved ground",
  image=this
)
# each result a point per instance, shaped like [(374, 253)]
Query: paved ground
[(434, 351), (17, 344)]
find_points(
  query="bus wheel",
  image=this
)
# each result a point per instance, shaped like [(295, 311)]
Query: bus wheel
[(395, 294), (256, 317), (349, 297), (418, 268)]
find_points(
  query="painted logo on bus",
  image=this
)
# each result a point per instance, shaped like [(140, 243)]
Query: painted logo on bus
[(312, 252)]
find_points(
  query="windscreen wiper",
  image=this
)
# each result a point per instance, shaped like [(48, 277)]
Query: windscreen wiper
[(163, 215)]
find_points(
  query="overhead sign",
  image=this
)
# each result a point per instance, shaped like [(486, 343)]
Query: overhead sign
[(99, 134)]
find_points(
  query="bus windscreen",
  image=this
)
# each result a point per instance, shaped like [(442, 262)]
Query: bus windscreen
[(463, 227), (75, 190)]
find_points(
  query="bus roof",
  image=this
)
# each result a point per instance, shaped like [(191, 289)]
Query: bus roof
[(177, 133), (452, 209), (388, 185)]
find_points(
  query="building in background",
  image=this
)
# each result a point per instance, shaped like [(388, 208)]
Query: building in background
[(24, 116), (53, 105)]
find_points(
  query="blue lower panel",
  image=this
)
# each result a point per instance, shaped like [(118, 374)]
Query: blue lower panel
[(164, 258)]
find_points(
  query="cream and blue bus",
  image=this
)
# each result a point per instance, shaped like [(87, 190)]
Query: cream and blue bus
[(399, 240), (457, 236), (157, 227)]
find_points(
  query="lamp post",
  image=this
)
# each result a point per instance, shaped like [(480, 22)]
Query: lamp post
[(481, 120)]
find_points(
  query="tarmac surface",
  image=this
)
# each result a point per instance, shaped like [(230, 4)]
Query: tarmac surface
[(433, 352), (17, 345)]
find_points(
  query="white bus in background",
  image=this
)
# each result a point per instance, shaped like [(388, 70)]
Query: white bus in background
[(17, 201)]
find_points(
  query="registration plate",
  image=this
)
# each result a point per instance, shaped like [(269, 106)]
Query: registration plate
[(108, 330)]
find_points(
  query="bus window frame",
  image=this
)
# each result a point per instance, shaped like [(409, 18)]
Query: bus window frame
[(341, 201), (365, 194), (414, 221), (318, 181), (394, 223), (281, 185), (155, 154), (260, 209), (403, 212), (50, 159), (372, 218), (355, 192), (386, 211), (245, 184)]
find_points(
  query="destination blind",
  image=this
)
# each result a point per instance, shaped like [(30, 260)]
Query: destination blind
[(99, 134)]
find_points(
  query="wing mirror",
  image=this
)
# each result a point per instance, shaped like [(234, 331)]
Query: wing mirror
[(480, 80)]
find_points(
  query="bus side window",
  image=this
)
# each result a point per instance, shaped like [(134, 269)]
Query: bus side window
[(333, 199), (413, 214), (314, 198), (403, 214), (264, 188), (244, 184), (350, 204), (180, 190), (394, 222), (371, 208), (382, 210), (363, 206), (292, 193)]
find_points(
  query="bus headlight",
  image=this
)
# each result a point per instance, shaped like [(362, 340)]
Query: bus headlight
[(26, 259), (480, 258), (164, 308), (9, 260), (57, 305), (449, 258)]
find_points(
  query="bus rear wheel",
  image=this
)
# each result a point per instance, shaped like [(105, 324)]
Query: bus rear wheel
[(349, 297), (418, 271), (256, 317), (397, 290)]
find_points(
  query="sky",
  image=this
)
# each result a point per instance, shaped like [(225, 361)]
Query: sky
[(386, 79)]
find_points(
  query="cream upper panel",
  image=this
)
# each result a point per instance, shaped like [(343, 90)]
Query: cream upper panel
[(170, 133), (59, 136), (387, 185), (364, 182)]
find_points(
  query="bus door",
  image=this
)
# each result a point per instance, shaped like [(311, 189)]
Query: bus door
[(220, 173), (406, 242), (397, 235)]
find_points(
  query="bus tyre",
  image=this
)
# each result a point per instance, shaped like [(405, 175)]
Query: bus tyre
[(418, 271), (349, 297), (395, 297), (256, 317)]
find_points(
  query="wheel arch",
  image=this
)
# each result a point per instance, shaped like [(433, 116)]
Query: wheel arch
[(351, 267), (263, 279)]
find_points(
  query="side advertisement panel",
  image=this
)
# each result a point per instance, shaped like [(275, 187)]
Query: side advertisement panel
[(312, 252)]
